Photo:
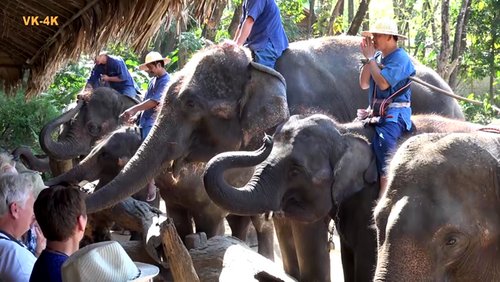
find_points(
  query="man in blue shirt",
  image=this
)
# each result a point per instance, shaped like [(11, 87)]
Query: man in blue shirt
[(61, 213), (155, 66), (389, 94), (111, 71), (261, 30)]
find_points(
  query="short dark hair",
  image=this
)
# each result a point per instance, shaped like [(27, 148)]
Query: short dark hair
[(57, 210), (162, 63), (395, 37)]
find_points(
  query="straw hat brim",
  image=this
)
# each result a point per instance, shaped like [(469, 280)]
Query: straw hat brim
[(371, 32), (143, 66)]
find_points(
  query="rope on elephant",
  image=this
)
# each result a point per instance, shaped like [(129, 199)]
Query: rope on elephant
[(453, 95)]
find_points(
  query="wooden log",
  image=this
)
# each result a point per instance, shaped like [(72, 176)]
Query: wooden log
[(227, 258), (180, 262)]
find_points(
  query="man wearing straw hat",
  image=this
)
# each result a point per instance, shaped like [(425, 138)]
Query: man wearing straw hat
[(155, 66), (386, 73)]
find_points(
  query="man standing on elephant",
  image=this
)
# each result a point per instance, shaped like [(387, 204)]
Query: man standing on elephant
[(261, 30), (110, 71), (389, 94), (155, 67)]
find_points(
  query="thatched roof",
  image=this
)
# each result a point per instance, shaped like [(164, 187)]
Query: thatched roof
[(37, 52)]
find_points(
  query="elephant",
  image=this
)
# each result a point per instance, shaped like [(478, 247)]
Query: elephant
[(34, 162), (222, 101), (316, 169), (83, 125), (440, 219), (185, 197)]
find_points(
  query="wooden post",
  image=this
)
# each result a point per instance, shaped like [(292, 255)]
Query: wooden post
[(179, 259)]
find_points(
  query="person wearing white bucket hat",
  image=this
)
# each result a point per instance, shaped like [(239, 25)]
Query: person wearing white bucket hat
[(386, 73), (155, 66), (105, 261)]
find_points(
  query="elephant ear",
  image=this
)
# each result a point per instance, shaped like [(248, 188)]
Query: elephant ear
[(355, 169), (264, 104)]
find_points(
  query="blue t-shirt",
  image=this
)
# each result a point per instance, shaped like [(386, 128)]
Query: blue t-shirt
[(48, 267), (115, 66), (157, 87), (397, 69), (267, 25)]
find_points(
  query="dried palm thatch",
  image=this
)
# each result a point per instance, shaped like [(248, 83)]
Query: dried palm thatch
[(34, 53)]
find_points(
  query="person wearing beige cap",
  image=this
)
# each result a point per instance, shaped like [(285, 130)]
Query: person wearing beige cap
[(105, 261), (155, 66), (386, 73)]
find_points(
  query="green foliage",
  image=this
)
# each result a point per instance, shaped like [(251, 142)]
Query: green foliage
[(480, 114), (292, 13), (21, 121)]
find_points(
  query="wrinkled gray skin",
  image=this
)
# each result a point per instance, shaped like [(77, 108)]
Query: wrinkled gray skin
[(317, 168), (220, 101), (185, 198), (440, 220), (31, 161), (84, 124)]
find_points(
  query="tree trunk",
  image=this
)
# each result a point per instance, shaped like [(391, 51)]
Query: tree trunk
[(235, 21), (491, 58), (420, 38), (445, 50), (58, 167), (459, 42), (337, 10), (311, 19), (358, 18), (350, 10), (210, 28)]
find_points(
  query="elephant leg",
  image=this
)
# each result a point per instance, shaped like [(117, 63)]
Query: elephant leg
[(182, 222), (287, 246), (348, 264), (311, 242), (210, 221), (239, 226), (265, 235)]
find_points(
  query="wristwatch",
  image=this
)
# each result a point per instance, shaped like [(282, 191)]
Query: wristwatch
[(370, 59)]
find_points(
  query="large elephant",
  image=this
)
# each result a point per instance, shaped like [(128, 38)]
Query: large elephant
[(222, 101), (316, 169), (85, 124), (440, 219), (185, 197)]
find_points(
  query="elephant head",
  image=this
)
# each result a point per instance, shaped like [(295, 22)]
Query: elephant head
[(105, 160), (310, 162), (84, 124), (219, 101), (440, 218)]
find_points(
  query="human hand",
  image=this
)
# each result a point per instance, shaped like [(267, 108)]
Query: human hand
[(104, 77), (41, 241), (128, 116), (367, 47), (361, 114)]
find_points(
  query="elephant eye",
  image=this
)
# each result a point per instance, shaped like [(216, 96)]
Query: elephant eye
[(451, 241), (190, 104), (294, 170)]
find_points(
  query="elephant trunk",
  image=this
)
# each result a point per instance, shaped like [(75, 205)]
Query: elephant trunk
[(71, 146), (25, 154), (88, 169), (158, 149), (249, 200)]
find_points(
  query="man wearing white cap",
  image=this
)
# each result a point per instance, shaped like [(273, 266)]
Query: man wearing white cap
[(155, 67), (387, 74)]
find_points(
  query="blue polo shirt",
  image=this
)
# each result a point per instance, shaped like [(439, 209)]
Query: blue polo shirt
[(115, 66), (157, 87), (397, 71), (48, 267), (267, 25)]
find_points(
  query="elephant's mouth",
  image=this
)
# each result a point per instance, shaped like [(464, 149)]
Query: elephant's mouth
[(294, 207)]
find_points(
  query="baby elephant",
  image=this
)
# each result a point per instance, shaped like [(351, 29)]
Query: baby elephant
[(440, 220)]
